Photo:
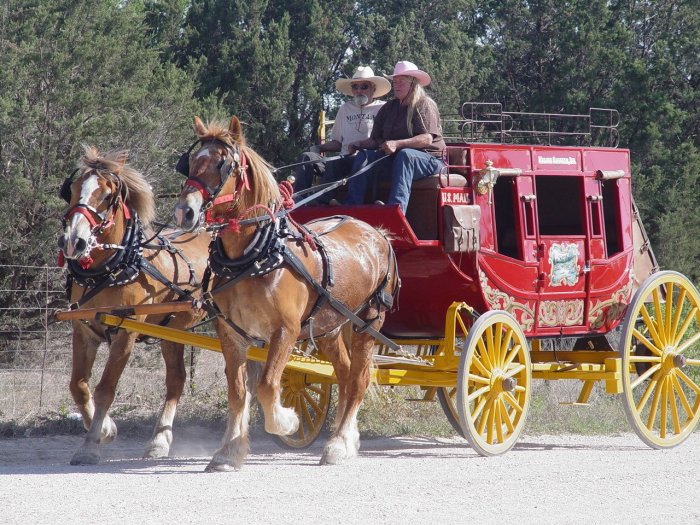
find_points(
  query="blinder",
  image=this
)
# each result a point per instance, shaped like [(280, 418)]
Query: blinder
[(183, 163), (64, 191)]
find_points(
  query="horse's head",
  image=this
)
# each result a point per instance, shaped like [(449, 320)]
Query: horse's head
[(99, 193), (223, 175)]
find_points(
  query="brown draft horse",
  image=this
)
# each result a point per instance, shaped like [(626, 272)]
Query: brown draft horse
[(109, 247), (232, 183)]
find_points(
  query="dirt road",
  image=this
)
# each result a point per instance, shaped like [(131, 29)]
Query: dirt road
[(544, 479)]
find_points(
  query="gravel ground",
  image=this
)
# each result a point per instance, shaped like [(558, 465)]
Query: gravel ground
[(544, 479)]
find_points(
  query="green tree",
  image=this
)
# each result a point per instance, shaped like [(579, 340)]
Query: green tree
[(74, 72), (270, 63)]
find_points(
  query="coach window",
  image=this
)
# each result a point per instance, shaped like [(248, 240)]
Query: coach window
[(505, 202), (559, 205), (611, 216)]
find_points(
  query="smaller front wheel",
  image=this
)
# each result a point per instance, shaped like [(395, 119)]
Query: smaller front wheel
[(310, 401), (494, 383)]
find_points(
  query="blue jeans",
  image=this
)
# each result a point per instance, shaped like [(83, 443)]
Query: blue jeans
[(404, 166)]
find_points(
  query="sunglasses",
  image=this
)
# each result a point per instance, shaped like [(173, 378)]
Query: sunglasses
[(363, 87)]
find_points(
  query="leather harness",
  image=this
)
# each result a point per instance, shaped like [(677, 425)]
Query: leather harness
[(268, 251)]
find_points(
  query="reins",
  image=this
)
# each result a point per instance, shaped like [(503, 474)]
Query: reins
[(312, 161), (274, 215)]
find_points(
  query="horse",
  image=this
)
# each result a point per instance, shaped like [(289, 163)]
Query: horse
[(277, 282), (114, 258)]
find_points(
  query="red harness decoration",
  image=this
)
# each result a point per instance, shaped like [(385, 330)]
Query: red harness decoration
[(287, 190)]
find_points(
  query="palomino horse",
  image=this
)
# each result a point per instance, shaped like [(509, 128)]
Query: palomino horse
[(113, 259), (268, 288)]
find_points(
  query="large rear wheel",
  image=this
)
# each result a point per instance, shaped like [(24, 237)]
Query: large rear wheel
[(661, 360), (494, 383)]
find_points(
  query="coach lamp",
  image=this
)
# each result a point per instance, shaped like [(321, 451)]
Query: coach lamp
[(488, 176)]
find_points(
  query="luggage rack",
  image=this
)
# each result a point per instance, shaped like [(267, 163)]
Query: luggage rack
[(487, 122)]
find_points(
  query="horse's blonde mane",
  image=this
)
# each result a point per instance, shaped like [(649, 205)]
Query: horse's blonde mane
[(264, 188), (139, 194)]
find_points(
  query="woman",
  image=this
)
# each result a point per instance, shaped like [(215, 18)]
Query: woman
[(407, 133)]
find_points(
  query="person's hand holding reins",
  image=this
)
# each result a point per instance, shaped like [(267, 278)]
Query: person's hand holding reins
[(389, 147)]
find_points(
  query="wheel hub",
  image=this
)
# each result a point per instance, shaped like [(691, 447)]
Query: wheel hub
[(671, 359), (296, 382), (509, 384), (499, 383), (679, 360)]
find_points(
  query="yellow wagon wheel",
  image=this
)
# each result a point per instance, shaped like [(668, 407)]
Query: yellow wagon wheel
[(494, 383), (661, 360), (447, 396), (310, 401)]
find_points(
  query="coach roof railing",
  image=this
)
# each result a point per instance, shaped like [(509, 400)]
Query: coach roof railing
[(487, 122)]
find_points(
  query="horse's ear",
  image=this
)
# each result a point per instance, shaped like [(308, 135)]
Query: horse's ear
[(234, 130), (199, 127)]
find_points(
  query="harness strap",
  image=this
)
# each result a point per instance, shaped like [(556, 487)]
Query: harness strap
[(297, 265), (164, 243), (113, 271), (124, 267), (213, 310), (322, 299), (156, 274)]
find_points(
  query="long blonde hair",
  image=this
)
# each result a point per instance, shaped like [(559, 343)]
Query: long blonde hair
[(415, 95)]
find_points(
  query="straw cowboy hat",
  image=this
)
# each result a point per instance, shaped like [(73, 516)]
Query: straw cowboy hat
[(409, 69), (381, 85)]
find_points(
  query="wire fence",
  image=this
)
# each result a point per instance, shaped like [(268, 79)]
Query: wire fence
[(36, 355)]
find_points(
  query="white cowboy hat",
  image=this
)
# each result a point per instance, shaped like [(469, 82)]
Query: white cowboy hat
[(409, 69), (381, 85)]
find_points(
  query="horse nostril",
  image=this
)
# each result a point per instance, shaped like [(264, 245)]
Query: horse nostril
[(189, 215), (80, 245), (61, 241)]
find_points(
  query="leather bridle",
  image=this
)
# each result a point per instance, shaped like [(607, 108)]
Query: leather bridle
[(233, 161), (92, 214)]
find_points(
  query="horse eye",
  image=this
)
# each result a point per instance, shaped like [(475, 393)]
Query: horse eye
[(107, 197), (221, 164)]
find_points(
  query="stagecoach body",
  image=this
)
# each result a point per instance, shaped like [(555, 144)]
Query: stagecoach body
[(549, 240)]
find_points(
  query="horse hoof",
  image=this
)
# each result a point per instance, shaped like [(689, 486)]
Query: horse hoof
[(333, 455), (220, 467), (155, 451), (85, 458)]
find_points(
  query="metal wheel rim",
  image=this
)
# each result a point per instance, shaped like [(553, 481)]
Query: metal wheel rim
[(662, 403), (495, 351)]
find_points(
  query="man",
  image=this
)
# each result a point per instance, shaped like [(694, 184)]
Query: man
[(407, 137), (353, 123)]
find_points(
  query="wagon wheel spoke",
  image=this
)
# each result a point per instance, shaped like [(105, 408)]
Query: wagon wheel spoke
[(661, 360), (682, 397), (311, 402), (494, 379)]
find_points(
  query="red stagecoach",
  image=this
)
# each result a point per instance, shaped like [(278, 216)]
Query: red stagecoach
[(520, 241)]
